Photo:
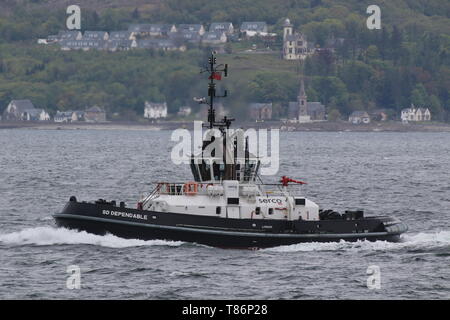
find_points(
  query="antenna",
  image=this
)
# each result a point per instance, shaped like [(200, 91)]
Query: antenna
[(215, 73)]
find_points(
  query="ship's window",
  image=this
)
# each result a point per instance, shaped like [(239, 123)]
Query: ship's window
[(194, 170), (270, 210), (258, 210), (218, 210), (205, 171), (300, 202), (217, 172), (233, 201), (249, 171)]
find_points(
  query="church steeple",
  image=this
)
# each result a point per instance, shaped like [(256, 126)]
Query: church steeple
[(302, 99)]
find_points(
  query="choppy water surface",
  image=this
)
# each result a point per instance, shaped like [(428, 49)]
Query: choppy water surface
[(403, 174)]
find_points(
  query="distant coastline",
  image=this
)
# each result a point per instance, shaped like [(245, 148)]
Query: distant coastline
[(325, 126)]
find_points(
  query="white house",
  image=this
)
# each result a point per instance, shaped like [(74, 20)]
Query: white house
[(155, 110), (358, 117), (212, 37), (226, 27), (95, 35), (184, 111), (68, 116), (254, 28), (35, 115), (198, 28), (24, 110), (295, 46), (415, 114), (152, 30)]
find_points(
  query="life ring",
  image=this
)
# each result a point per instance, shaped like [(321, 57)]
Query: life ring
[(190, 188)]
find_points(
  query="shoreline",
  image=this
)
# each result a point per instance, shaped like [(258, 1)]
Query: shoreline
[(291, 127)]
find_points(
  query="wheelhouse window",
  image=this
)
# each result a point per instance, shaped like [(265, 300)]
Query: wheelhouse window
[(195, 171), (218, 171), (205, 171)]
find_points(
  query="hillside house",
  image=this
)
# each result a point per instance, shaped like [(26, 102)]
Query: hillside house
[(214, 38), (84, 45), (260, 111), (151, 30), (185, 36), (415, 114), (95, 114), (120, 45), (68, 116), (95, 35), (69, 35), (184, 111), (358, 117), (155, 110), (24, 110), (35, 115), (295, 46), (198, 28), (226, 27), (256, 28), (379, 115), (121, 35)]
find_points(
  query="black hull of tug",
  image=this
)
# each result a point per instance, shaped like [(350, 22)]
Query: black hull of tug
[(218, 231)]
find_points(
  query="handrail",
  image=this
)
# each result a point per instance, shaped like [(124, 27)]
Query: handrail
[(179, 188)]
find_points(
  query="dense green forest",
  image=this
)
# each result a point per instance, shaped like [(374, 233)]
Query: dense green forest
[(407, 61)]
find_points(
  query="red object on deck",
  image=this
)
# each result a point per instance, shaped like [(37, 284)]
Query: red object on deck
[(285, 181)]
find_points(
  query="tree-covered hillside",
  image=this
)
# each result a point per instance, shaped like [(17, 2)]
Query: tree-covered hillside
[(407, 61)]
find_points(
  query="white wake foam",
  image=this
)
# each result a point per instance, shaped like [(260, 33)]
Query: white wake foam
[(44, 236), (417, 241)]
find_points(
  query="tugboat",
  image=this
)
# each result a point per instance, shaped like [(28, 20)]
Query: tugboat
[(226, 204)]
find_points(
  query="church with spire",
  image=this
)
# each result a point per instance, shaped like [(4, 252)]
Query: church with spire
[(303, 111)]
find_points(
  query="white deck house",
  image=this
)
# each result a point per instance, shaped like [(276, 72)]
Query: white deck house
[(415, 114), (155, 110)]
